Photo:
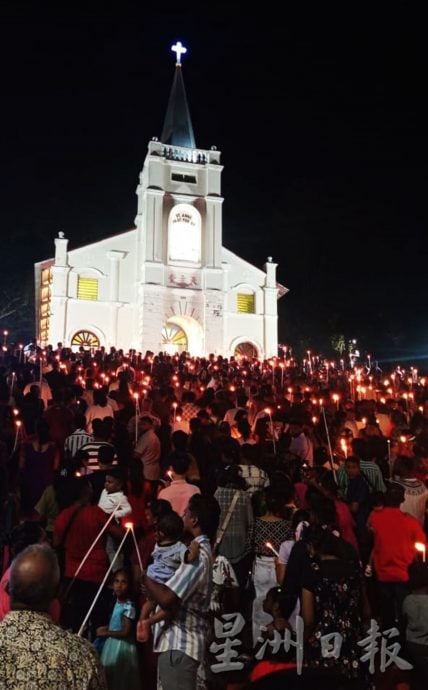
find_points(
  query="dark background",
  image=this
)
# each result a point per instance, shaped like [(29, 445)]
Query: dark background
[(322, 124)]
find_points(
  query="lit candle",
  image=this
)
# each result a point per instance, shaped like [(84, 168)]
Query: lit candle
[(269, 412), (5, 334), (269, 546), (336, 399), (175, 405), (344, 447), (18, 425), (419, 546), (130, 525), (282, 375), (137, 414), (12, 382)]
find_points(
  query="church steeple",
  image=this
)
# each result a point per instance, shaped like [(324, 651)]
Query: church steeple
[(177, 129)]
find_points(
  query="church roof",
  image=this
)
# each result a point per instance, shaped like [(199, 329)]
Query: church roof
[(177, 128)]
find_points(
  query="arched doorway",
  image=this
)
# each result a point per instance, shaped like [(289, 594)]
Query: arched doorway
[(85, 339), (174, 339), (183, 334), (246, 350)]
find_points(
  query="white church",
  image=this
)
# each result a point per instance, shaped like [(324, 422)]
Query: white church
[(168, 284)]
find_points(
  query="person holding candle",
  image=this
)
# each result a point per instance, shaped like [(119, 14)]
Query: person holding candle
[(79, 526), (179, 491), (394, 536), (148, 451), (273, 529)]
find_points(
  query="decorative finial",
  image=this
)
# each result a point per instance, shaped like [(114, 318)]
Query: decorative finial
[(179, 50), (61, 235), (269, 259)]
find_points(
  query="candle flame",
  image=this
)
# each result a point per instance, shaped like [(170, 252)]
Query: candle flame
[(269, 546)]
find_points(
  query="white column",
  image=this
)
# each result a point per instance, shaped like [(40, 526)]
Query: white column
[(115, 257), (270, 318), (59, 291)]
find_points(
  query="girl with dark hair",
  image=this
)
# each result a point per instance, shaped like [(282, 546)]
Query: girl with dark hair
[(333, 601), (271, 528)]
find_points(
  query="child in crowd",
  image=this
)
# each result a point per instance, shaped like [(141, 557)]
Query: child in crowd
[(119, 652), (169, 553), (272, 606), (415, 611), (113, 499)]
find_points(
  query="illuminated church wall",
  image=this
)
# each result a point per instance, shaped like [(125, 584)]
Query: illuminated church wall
[(168, 283)]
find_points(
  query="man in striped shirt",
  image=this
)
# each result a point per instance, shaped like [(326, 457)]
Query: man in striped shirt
[(369, 469), (78, 438), (181, 640), (98, 441)]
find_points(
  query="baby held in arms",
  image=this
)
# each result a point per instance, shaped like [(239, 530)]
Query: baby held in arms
[(169, 553)]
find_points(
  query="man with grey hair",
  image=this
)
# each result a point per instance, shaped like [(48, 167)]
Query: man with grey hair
[(34, 652)]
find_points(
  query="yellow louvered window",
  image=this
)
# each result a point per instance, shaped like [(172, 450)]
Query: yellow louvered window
[(245, 303), (87, 288)]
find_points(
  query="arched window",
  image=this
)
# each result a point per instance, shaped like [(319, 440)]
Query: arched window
[(85, 339), (246, 350), (174, 335)]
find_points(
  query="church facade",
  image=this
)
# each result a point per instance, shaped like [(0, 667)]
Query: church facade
[(168, 284)]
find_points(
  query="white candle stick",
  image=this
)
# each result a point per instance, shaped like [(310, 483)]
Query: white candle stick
[(272, 431), (269, 546), (328, 442), (12, 382), (18, 425), (131, 527), (91, 608)]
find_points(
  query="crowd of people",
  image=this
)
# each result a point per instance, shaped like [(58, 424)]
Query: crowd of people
[(209, 522)]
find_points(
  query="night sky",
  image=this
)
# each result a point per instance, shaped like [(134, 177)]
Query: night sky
[(322, 125)]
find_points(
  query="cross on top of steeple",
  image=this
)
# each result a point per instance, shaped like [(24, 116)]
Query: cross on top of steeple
[(179, 50)]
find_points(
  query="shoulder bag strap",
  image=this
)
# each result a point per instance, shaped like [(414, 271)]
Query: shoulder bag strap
[(223, 528)]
